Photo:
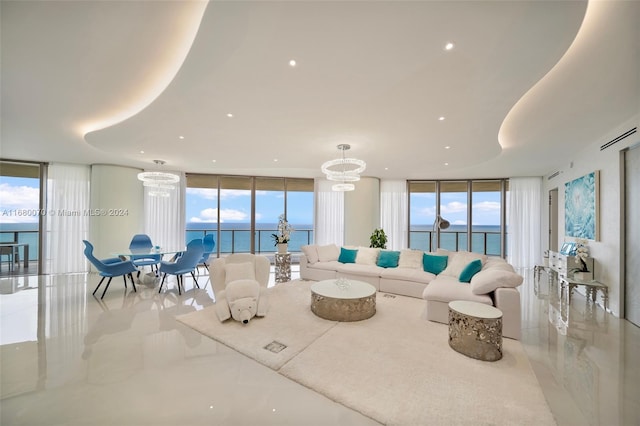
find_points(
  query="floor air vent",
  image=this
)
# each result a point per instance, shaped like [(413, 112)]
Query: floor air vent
[(618, 139), (275, 347)]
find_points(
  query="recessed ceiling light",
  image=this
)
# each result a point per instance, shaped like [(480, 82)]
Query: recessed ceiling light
[(229, 115), (293, 63), (449, 46), (441, 118), (141, 152), (446, 164), (447, 147), (275, 160), (213, 161), (181, 137), (386, 168)]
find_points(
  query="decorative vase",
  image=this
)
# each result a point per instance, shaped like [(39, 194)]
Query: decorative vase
[(283, 248), (583, 275)]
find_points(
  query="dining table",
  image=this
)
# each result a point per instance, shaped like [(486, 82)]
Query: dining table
[(15, 251), (154, 251)]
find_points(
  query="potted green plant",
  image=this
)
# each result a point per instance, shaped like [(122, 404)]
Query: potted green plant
[(378, 239)]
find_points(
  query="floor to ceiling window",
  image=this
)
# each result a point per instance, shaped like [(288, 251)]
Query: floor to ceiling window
[(487, 217), (270, 204), (454, 207), (201, 207), (20, 217), (480, 203), (243, 211), (300, 211), (422, 214), (235, 214)]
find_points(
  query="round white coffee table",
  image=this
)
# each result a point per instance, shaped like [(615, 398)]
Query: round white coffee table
[(475, 330), (343, 300)]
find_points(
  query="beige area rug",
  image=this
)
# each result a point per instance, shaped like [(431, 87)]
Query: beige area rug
[(394, 367)]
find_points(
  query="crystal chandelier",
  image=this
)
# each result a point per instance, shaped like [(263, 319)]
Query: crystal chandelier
[(343, 170), (159, 183)]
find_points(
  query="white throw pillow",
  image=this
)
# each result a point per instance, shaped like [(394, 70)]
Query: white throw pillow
[(458, 261), (498, 264), (328, 253), (410, 259), (490, 279), (444, 252), (311, 253), (367, 255), (239, 271)]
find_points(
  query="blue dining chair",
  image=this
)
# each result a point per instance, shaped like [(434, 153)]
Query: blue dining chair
[(209, 244), (111, 267), (186, 263), (142, 243)]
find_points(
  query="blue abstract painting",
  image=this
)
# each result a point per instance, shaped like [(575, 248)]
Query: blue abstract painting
[(581, 207)]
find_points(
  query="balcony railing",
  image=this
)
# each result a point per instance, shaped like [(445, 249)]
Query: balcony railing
[(486, 242), (23, 237), (239, 240)]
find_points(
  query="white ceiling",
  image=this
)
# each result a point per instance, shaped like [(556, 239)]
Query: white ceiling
[(525, 79)]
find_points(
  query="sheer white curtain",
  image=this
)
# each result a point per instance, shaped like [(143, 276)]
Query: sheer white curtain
[(525, 204), (329, 223), (66, 222), (393, 212), (165, 217)]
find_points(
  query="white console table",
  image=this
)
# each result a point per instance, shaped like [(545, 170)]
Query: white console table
[(562, 264), (564, 267)]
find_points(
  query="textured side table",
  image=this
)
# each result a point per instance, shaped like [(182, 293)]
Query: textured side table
[(283, 267), (353, 301), (475, 330)]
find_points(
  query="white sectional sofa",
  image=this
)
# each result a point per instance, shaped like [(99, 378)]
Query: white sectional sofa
[(438, 277)]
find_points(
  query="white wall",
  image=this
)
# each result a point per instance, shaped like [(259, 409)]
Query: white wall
[(608, 250), (117, 194), (362, 212)]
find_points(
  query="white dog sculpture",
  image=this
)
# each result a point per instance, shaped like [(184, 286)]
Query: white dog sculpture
[(242, 300)]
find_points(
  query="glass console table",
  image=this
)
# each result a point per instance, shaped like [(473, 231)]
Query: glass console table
[(568, 284)]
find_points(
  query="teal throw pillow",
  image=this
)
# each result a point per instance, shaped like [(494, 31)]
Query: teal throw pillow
[(434, 263), (388, 259), (470, 270), (347, 255)]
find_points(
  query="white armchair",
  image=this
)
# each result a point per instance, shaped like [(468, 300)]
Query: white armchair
[(245, 266)]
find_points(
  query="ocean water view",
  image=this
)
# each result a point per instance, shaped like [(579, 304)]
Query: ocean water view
[(455, 238), (236, 237), (23, 233)]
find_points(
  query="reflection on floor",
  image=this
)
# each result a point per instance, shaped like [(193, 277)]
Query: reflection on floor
[(584, 358), (69, 358), (19, 269)]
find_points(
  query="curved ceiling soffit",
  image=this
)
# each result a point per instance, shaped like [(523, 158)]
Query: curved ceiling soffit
[(173, 58), (515, 114)]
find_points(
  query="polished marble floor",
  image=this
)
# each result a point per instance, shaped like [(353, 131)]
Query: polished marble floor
[(69, 358)]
